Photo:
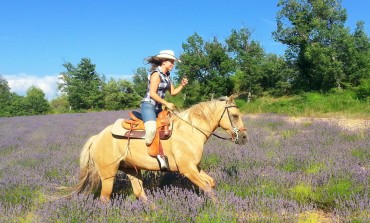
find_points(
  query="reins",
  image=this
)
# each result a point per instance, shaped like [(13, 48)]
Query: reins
[(235, 130)]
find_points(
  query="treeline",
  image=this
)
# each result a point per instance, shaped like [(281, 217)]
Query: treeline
[(11, 104), (322, 55)]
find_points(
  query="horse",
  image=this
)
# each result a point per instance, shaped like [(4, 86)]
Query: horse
[(104, 154)]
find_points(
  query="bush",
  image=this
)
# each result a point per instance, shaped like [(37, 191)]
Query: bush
[(363, 90)]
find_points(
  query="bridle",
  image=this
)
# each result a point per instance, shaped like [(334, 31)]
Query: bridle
[(235, 130), (235, 135)]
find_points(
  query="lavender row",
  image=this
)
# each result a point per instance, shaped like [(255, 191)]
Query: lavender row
[(288, 171)]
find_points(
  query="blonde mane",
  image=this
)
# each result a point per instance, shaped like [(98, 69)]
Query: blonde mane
[(203, 112)]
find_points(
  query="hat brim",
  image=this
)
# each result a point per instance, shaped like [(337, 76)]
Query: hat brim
[(168, 56)]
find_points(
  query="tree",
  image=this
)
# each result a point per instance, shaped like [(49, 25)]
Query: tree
[(208, 67), (276, 75), (18, 105), (140, 81), (35, 102), (249, 57), (5, 97), (83, 85), (193, 64), (60, 104), (120, 95), (363, 90), (357, 58), (220, 68), (313, 29)]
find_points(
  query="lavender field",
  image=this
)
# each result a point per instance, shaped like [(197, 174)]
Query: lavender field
[(302, 171)]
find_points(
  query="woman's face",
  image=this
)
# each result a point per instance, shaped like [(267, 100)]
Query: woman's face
[(168, 64)]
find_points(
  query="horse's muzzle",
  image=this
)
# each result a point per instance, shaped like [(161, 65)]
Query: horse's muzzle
[(241, 138)]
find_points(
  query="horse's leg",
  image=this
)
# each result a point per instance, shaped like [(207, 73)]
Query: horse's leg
[(210, 181), (106, 189), (107, 176), (136, 179), (195, 176)]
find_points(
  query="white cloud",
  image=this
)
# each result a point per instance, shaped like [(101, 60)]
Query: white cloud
[(20, 83)]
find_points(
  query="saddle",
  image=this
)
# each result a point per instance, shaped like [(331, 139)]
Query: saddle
[(136, 128)]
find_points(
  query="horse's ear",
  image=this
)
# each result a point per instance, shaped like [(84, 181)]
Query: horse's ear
[(231, 98)]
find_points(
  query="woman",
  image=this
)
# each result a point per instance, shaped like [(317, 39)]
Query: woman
[(158, 83)]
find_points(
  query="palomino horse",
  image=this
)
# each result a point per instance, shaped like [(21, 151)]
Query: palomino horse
[(104, 154)]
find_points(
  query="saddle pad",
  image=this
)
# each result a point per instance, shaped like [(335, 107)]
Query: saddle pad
[(118, 130)]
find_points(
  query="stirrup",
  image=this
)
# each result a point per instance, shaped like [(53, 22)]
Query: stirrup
[(163, 162)]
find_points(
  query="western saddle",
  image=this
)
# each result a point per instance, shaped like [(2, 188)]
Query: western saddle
[(135, 126)]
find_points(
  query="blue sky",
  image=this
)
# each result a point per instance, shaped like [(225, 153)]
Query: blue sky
[(37, 37)]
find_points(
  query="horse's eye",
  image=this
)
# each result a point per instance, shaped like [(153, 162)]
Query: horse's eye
[(235, 115)]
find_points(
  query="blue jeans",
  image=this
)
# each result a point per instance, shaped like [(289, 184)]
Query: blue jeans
[(148, 112)]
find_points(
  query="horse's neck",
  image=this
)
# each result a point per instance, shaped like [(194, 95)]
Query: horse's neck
[(205, 125)]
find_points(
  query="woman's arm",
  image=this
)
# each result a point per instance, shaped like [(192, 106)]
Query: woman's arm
[(175, 91)]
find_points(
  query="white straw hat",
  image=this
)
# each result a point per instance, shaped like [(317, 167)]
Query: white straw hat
[(167, 54)]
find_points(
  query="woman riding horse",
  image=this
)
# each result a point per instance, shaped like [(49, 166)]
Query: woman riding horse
[(159, 83), (104, 154)]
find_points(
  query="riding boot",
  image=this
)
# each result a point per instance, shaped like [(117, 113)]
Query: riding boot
[(150, 131), (163, 162)]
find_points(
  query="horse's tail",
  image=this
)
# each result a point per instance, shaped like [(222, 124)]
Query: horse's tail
[(89, 179)]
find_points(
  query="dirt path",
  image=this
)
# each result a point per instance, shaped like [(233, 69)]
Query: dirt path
[(344, 123)]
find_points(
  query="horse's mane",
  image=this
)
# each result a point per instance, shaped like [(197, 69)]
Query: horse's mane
[(202, 111)]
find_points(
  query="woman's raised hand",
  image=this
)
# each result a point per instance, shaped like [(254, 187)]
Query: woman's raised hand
[(184, 81)]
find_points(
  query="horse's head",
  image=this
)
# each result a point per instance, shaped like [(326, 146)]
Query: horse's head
[(231, 121)]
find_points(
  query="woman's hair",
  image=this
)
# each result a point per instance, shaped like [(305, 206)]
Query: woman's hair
[(155, 62)]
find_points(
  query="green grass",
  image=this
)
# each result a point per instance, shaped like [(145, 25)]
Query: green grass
[(288, 133), (21, 195), (210, 161), (361, 153), (326, 195), (302, 193), (338, 103), (291, 164), (313, 168)]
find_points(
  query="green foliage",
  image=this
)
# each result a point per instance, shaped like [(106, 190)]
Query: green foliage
[(35, 102), (291, 164), (363, 90), (5, 98), (335, 189), (313, 168), (324, 196), (82, 85), (208, 68), (362, 154), (302, 193), (320, 48), (120, 95), (210, 161), (341, 102), (18, 195), (140, 81), (286, 134), (60, 104), (358, 58), (11, 104), (249, 57)]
